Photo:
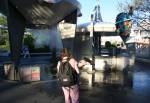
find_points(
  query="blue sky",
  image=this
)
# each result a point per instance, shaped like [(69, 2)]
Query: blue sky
[(109, 10)]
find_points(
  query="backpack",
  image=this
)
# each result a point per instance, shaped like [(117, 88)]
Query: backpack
[(67, 75)]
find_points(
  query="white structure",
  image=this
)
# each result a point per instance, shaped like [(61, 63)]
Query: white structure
[(142, 42), (67, 32), (107, 30)]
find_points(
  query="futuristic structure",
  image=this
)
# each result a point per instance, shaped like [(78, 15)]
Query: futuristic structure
[(22, 14), (123, 25)]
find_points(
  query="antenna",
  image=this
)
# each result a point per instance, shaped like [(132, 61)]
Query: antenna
[(97, 13), (97, 1)]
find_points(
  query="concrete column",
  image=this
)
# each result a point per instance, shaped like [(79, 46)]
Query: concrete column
[(16, 25)]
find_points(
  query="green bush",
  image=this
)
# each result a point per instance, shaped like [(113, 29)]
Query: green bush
[(29, 41), (114, 45), (3, 20), (2, 41), (108, 45)]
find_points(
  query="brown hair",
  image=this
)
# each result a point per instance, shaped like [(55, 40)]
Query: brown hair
[(65, 53)]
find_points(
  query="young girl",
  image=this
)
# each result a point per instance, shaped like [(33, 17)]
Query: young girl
[(71, 93)]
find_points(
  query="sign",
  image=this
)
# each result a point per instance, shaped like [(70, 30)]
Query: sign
[(35, 73)]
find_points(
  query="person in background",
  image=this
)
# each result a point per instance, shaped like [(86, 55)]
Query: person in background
[(25, 51)]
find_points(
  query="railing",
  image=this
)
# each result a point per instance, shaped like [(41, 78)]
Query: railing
[(38, 54)]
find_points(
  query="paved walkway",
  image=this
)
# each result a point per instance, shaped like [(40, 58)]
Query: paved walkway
[(36, 92), (50, 92)]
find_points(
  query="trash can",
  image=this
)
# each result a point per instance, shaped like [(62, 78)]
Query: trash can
[(9, 71)]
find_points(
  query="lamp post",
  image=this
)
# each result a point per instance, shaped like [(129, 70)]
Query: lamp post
[(91, 38)]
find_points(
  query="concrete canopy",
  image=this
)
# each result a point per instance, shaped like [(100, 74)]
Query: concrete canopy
[(42, 13)]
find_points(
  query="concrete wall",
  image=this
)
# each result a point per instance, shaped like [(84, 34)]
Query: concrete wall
[(82, 46)]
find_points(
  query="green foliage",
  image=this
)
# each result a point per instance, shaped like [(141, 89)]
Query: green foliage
[(29, 41), (5, 47), (4, 41), (3, 20), (114, 45), (3, 37), (108, 44)]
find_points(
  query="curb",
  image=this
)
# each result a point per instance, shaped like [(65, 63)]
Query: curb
[(142, 60)]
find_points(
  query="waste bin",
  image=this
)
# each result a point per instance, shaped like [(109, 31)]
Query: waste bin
[(9, 71)]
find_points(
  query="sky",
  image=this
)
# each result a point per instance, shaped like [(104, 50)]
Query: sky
[(109, 10)]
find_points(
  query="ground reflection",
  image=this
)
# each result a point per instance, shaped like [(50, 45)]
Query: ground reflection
[(107, 78), (137, 79)]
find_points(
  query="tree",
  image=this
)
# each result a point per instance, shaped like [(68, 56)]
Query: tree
[(3, 20), (29, 40), (4, 38), (141, 12), (108, 44)]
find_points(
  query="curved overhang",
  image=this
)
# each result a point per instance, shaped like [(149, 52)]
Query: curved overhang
[(44, 12), (49, 1)]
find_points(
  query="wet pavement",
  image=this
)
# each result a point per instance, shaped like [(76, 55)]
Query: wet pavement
[(134, 89)]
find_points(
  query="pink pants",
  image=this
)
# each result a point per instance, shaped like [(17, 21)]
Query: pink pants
[(71, 94)]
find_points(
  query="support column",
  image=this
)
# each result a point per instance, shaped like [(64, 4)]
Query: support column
[(100, 48), (16, 25)]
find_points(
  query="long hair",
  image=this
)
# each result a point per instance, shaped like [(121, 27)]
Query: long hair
[(65, 53)]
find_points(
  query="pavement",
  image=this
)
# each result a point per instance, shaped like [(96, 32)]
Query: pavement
[(49, 91), (144, 60), (35, 92)]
